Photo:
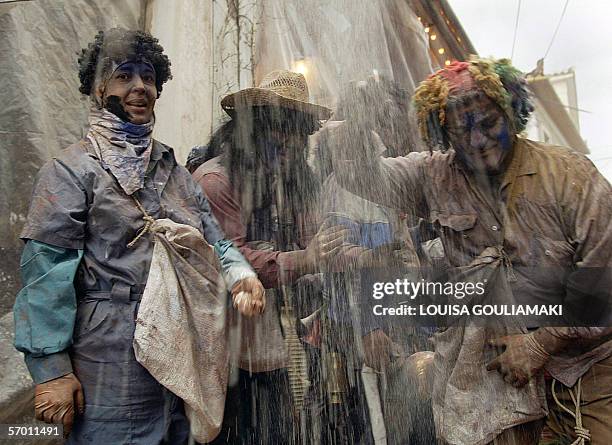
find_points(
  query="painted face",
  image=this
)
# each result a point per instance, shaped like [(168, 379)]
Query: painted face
[(131, 90), (286, 147), (479, 132)]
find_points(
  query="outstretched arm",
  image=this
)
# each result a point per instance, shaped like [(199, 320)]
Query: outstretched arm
[(397, 183), (273, 267)]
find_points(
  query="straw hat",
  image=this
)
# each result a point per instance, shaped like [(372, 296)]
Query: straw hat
[(279, 88)]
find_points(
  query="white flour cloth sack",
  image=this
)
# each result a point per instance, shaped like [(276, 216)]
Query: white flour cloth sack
[(180, 333)]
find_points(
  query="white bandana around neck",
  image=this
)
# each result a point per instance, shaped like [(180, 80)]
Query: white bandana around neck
[(122, 146)]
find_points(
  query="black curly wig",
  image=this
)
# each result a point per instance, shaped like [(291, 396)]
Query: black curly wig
[(118, 45)]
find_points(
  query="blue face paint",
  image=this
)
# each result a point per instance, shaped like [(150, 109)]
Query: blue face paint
[(504, 139), (273, 150), (479, 131), (469, 121)]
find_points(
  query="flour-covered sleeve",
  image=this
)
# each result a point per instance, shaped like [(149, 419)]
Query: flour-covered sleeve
[(586, 203), (398, 183), (45, 309), (58, 209)]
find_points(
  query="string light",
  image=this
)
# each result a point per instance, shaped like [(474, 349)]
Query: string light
[(432, 36)]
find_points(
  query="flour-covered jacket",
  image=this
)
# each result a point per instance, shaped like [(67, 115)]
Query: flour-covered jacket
[(546, 238), (87, 324), (557, 235)]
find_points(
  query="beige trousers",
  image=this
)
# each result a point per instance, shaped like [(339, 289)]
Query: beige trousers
[(596, 407)]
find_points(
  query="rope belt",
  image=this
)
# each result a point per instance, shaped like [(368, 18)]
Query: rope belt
[(583, 434), (507, 262), (148, 219)]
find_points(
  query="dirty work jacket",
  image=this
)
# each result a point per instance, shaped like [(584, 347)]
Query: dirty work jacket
[(78, 209), (557, 236), (235, 214)]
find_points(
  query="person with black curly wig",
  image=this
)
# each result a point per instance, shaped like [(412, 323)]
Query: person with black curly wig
[(109, 49), (88, 251)]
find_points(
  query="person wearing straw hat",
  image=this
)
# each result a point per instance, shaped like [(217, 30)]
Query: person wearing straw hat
[(262, 192)]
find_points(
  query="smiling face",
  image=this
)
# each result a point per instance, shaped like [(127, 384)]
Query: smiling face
[(479, 132), (131, 88)]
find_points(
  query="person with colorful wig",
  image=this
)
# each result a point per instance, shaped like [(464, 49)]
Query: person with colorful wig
[(88, 251), (534, 221)]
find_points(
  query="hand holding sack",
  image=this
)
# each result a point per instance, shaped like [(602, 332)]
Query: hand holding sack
[(525, 355), (57, 400)]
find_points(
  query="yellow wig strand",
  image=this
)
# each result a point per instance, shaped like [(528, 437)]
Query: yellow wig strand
[(483, 73), (431, 97)]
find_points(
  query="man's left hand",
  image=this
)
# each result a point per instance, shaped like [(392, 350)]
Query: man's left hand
[(521, 359), (248, 296)]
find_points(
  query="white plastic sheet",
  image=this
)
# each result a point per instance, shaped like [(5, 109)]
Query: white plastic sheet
[(333, 42)]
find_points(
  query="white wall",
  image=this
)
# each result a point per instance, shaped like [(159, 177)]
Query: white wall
[(183, 111), (541, 125), (200, 38)]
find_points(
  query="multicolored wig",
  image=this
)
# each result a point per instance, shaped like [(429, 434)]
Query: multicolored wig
[(496, 78)]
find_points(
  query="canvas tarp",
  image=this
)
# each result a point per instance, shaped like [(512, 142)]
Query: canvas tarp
[(333, 42), (42, 108)]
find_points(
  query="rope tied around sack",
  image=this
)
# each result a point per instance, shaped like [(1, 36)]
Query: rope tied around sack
[(148, 219), (584, 435)]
